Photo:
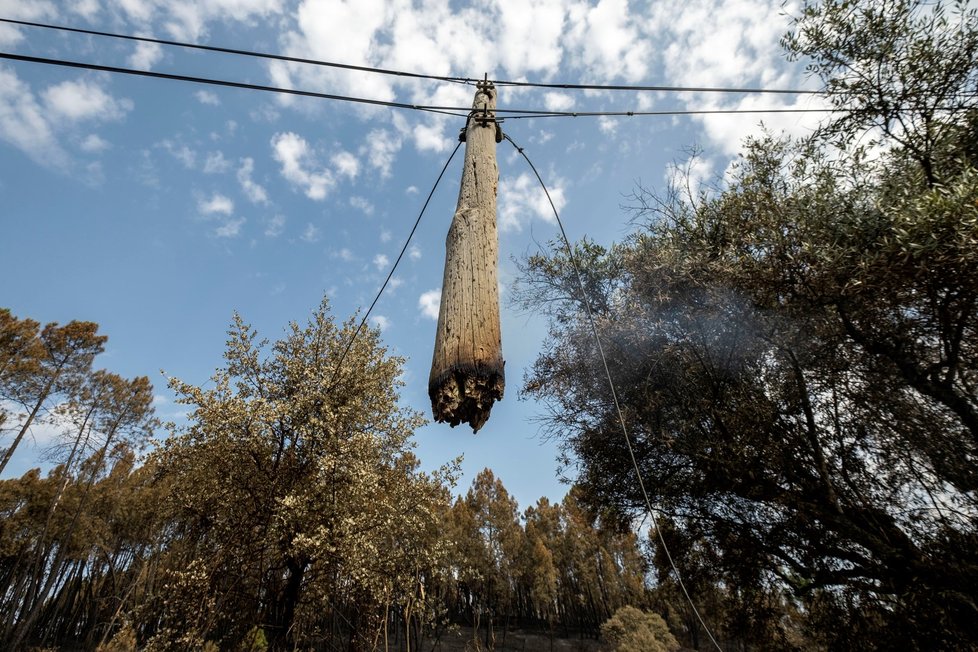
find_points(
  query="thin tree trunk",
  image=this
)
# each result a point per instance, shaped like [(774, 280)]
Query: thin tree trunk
[(30, 420)]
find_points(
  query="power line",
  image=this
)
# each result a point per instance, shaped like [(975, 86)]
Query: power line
[(246, 53), (522, 115), (407, 242), (458, 111), (614, 392), (660, 89), (400, 73)]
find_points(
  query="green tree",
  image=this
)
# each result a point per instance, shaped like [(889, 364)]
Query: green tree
[(37, 367), (19, 351), (118, 415), (795, 355), (488, 546), (634, 630), (293, 492)]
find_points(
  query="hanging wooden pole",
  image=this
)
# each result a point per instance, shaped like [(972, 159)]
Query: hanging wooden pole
[(467, 365)]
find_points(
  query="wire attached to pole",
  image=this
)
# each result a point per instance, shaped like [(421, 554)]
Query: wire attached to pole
[(614, 393), (390, 274)]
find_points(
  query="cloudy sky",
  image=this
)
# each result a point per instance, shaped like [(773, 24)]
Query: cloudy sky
[(156, 207)]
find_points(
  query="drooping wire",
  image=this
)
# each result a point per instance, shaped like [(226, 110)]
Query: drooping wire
[(447, 110), (614, 393), (245, 53), (407, 242)]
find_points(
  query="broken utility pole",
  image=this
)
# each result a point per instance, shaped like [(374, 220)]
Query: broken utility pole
[(467, 365)]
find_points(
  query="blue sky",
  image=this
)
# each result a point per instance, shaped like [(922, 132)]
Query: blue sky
[(157, 208)]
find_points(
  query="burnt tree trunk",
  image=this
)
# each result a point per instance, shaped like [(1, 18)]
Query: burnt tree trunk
[(467, 366)]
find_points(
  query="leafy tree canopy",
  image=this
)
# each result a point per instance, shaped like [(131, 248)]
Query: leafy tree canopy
[(795, 353)]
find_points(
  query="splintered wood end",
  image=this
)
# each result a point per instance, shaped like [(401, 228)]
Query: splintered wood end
[(466, 394)]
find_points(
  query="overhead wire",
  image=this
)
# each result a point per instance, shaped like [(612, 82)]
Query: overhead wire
[(457, 111), (239, 52), (658, 89), (614, 393), (414, 75), (393, 269), (522, 115)]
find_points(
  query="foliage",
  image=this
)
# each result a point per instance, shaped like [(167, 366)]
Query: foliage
[(41, 367), (795, 355), (904, 72), (254, 641), (289, 511), (634, 630), (293, 487), (123, 641)]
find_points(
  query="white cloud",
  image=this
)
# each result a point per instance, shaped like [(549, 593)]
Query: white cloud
[(431, 137), (43, 431), (362, 204), (736, 45), (77, 100), (346, 164), (218, 204), (94, 143), (138, 10), (230, 229), (521, 198), (411, 190), (182, 153), (87, 9), (558, 101), (20, 10), (414, 253), (381, 150), (605, 40), (691, 176), (187, 20), (381, 262), (299, 166), (380, 321), (429, 303), (145, 56), (337, 30), (530, 34), (274, 226), (35, 123), (215, 163), (729, 131), (607, 125), (385, 235), (700, 42), (543, 137), (346, 255), (207, 97), (311, 234), (252, 190), (10, 35), (23, 123)]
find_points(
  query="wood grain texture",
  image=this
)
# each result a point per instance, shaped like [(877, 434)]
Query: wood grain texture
[(467, 365)]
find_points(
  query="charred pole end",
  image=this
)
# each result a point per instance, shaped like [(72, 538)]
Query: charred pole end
[(467, 365)]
